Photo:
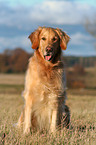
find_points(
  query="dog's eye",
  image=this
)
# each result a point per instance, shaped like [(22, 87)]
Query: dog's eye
[(43, 38), (54, 39)]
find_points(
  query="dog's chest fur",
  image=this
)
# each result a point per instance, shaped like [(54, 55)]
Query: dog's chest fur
[(48, 79)]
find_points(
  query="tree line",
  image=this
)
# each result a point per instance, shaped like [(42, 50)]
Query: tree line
[(16, 61)]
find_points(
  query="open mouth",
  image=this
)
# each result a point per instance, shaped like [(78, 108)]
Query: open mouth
[(48, 57)]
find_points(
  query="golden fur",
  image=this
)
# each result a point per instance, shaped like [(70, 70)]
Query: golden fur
[(45, 89)]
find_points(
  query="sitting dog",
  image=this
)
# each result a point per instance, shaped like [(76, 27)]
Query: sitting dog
[(45, 84)]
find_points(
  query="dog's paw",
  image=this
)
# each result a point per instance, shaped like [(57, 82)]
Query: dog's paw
[(27, 130), (17, 125)]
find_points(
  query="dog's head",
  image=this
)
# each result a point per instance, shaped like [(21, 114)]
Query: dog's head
[(49, 41)]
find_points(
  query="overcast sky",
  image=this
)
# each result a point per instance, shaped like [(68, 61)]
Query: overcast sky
[(18, 18)]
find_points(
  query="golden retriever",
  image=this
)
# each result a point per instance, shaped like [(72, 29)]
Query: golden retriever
[(45, 85)]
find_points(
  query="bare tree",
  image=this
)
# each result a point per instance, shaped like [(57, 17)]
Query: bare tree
[(90, 26)]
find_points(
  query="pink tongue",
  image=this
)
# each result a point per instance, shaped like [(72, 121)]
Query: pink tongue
[(47, 57)]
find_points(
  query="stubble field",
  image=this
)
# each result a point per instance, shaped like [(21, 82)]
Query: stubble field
[(82, 103)]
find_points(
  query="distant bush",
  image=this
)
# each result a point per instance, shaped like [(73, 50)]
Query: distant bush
[(77, 84), (14, 61), (78, 69), (74, 81)]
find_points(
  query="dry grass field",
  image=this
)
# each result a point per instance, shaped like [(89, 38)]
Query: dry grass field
[(82, 103)]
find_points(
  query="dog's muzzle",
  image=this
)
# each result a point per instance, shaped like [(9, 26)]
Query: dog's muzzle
[(48, 53)]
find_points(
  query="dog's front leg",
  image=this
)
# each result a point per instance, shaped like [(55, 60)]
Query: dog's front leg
[(28, 111), (53, 121), (21, 119)]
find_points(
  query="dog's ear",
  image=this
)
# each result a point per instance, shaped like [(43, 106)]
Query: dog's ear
[(34, 38), (64, 38)]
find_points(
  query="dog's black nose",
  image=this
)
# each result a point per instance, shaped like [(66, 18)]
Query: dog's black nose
[(48, 49)]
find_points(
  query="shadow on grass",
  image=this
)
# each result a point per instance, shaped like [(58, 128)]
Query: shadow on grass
[(84, 128)]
